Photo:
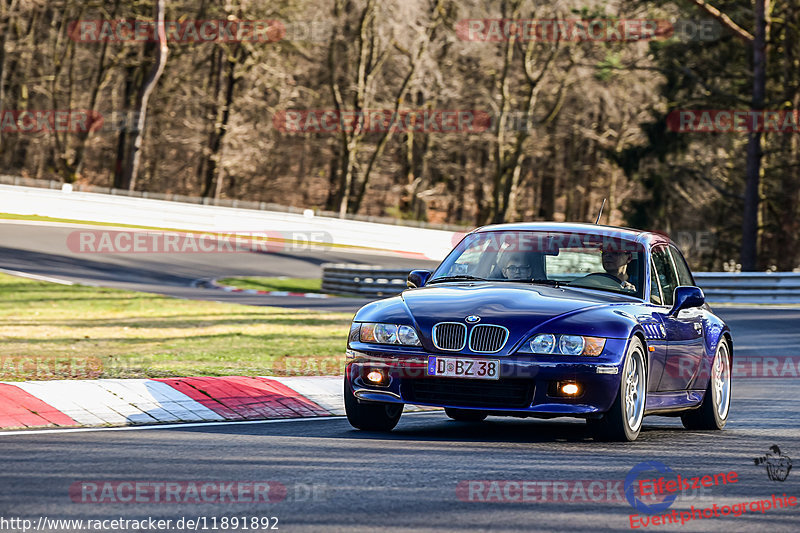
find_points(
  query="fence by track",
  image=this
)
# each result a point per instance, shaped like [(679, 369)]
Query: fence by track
[(743, 287)]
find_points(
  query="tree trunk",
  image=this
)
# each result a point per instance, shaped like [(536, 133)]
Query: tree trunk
[(206, 178), (74, 167), (547, 203), (350, 140), (131, 170), (347, 182), (333, 179), (749, 252), (99, 82), (5, 10), (221, 128), (501, 169), (125, 131)]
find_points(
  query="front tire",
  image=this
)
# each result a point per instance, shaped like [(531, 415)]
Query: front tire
[(713, 411), (623, 421), (464, 415), (370, 416)]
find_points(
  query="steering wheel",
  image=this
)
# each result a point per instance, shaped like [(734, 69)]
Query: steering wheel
[(598, 278), (605, 275)]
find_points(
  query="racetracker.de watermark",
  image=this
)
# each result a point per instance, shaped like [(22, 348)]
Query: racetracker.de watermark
[(306, 366), (581, 30), (192, 492), (733, 120), (557, 491), (75, 121), (382, 120), (50, 121), (186, 31), (785, 366), (531, 241), (778, 366), (65, 366), (201, 31), (154, 242), (42, 367)]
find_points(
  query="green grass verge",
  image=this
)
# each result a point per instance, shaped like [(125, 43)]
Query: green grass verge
[(274, 284), (52, 331)]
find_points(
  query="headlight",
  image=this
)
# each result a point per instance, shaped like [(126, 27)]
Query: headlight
[(407, 335), (563, 344), (355, 332), (571, 344), (386, 334), (542, 344)]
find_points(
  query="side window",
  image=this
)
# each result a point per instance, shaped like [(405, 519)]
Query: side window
[(666, 273), (655, 290), (684, 275)]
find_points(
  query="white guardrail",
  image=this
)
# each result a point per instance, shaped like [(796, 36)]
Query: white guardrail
[(745, 287), (298, 227), (750, 287)]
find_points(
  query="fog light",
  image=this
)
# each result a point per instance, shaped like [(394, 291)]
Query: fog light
[(375, 377), (565, 389)]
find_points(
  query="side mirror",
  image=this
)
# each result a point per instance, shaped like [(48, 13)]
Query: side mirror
[(687, 297), (418, 278)]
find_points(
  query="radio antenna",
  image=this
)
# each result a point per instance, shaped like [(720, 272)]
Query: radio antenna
[(601, 211)]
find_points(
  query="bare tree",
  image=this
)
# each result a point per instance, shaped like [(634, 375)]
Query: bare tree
[(371, 47), (368, 67), (537, 63), (414, 58), (758, 41), (7, 7), (574, 121), (131, 170)]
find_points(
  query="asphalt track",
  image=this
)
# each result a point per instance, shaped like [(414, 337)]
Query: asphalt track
[(42, 249), (339, 479)]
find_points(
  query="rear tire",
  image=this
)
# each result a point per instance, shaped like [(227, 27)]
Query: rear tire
[(370, 416), (713, 411), (465, 415), (623, 421)]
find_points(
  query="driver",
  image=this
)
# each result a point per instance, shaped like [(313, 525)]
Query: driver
[(516, 266), (616, 265)]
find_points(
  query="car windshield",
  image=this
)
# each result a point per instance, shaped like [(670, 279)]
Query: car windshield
[(602, 260)]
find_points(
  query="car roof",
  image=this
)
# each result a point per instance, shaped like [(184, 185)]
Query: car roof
[(640, 236)]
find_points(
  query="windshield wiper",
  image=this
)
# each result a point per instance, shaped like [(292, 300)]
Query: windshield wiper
[(460, 277)]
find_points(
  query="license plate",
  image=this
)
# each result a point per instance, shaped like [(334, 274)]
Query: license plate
[(454, 367)]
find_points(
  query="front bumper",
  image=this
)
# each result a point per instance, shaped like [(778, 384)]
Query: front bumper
[(525, 386)]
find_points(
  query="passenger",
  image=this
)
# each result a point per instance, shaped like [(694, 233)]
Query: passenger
[(516, 266)]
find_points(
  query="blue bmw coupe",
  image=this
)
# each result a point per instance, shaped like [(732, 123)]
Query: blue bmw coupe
[(545, 320)]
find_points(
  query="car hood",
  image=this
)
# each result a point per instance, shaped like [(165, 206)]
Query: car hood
[(507, 304), (521, 308)]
